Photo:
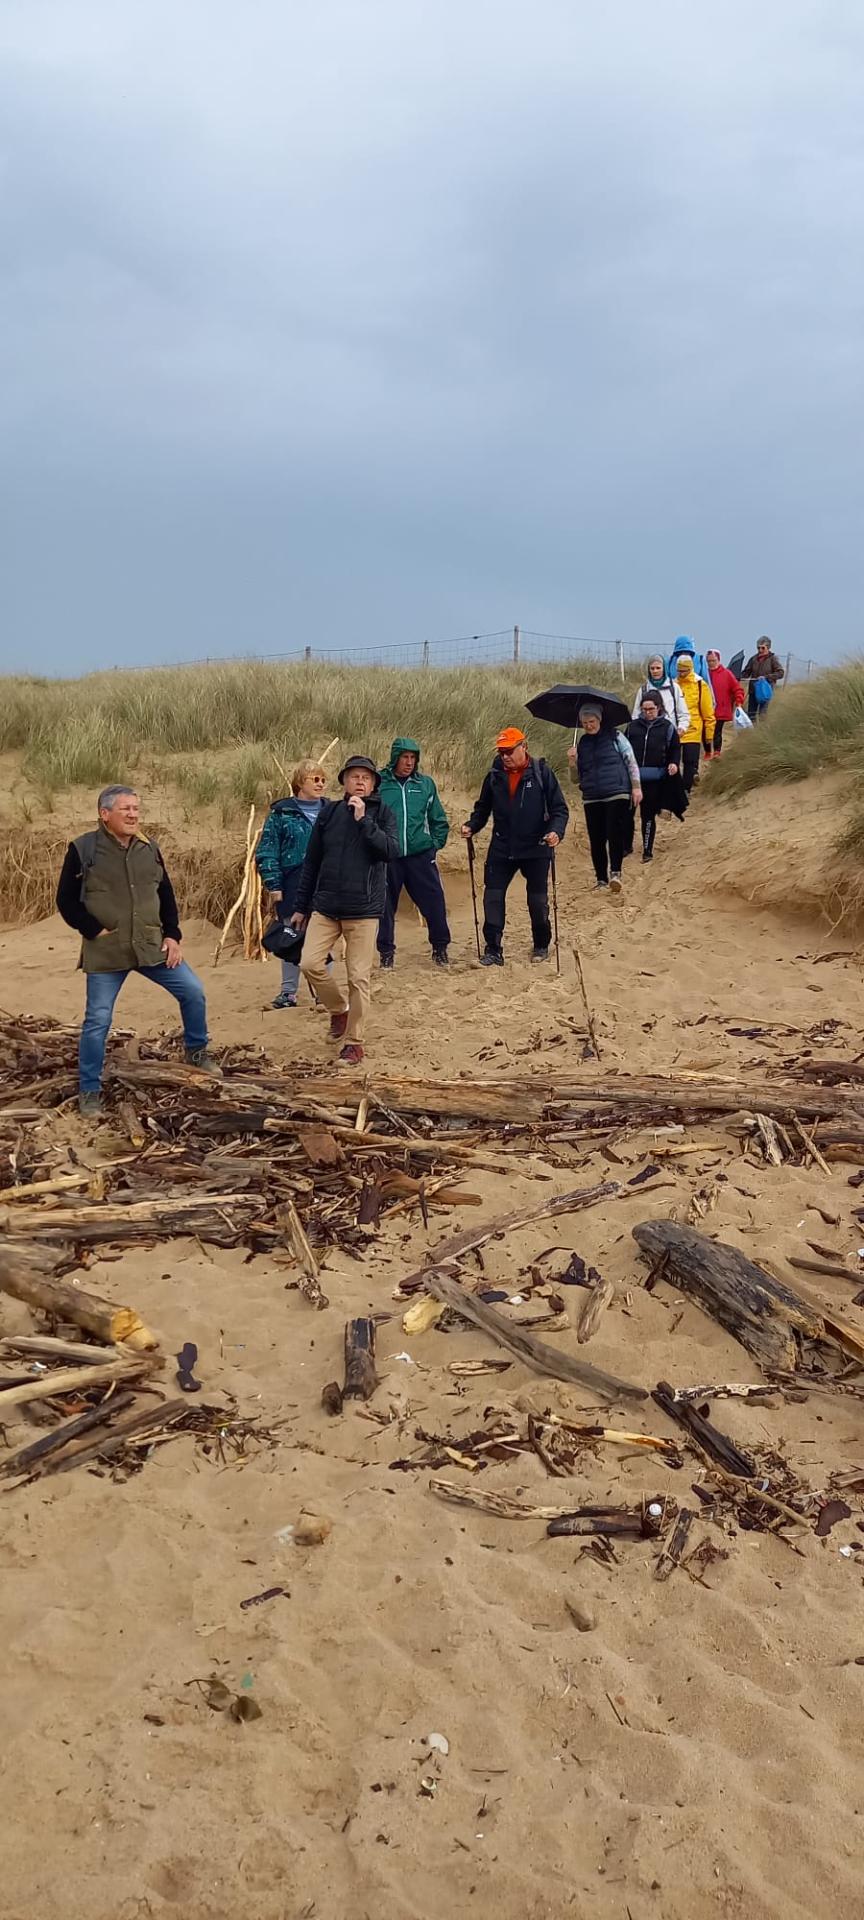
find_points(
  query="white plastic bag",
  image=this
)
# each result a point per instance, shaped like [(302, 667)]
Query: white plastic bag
[(741, 719)]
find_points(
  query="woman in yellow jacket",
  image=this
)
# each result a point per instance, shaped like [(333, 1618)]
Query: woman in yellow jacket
[(700, 706)]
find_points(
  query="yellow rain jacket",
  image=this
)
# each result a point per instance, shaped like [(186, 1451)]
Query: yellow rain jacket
[(700, 704)]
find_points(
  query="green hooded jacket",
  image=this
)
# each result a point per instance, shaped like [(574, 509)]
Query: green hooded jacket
[(421, 822)]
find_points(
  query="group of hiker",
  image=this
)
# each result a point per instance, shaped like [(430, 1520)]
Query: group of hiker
[(335, 869)]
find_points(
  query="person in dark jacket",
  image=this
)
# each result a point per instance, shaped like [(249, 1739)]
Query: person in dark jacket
[(763, 665), (422, 827), (281, 852), (529, 820), (342, 890), (657, 749), (115, 891), (604, 767)]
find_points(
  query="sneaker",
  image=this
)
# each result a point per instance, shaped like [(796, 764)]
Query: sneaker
[(338, 1024), (352, 1054), (90, 1104), (387, 959), (284, 1000), (602, 886), (647, 856), (200, 1057), (614, 883), (489, 959), (540, 953), (440, 957)]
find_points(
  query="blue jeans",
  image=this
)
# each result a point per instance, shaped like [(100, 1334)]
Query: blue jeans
[(102, 991)]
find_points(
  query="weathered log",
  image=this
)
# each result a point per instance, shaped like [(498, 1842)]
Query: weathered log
[(526, 1346), (768, 1318), (614, 1523), (151, 1419), (43, 1346), (57, 1438), (360, 1376), (310, 1284), (670, 1557), (25, 1278), (71, 1379), (709, 1438)]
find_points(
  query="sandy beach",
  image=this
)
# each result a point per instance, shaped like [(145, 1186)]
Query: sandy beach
[(696, 1751)]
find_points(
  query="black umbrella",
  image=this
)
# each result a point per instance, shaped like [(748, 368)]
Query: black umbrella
[(736, 663), (562, 705)]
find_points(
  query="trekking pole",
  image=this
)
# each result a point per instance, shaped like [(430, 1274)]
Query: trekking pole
[(474, 894), (555, 915)]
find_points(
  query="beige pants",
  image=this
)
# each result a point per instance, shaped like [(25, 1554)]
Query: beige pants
[(359, 936)]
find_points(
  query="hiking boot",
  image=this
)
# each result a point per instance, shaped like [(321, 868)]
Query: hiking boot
[(440, 957), (352, 1054), (489, 959), (90, 1104), (387, 959), (338, 1024), (614, 883), (647, 856), (201, 1058), (540, 953), (284, 1000)]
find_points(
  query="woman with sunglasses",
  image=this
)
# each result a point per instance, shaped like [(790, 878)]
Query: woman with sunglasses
[(282, 851)]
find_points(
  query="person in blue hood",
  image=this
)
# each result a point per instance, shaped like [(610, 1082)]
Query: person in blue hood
[(684, 644), (281, 852)]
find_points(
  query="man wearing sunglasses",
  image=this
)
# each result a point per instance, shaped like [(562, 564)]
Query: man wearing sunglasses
[(529, 819)]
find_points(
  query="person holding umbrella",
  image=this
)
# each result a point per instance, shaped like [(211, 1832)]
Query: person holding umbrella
[(529, 819)]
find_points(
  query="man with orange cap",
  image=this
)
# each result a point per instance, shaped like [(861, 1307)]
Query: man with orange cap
[(529, 820)]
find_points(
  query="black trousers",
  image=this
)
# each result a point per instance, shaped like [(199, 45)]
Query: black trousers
[(497, 875), (418, 874), (652, 794), (718, 735), (608, 823), (690, 762)]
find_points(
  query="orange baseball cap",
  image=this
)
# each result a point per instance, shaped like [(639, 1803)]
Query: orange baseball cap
[(511, 737)]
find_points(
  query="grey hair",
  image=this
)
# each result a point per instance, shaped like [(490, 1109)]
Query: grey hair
[(108, 796)]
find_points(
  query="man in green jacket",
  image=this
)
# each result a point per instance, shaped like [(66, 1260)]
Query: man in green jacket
[(422, 827)]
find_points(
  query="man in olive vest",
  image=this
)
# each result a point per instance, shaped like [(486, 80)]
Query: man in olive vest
[(115, 892)]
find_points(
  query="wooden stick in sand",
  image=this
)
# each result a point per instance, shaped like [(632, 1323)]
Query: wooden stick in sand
[(580, 975), (23, 1278), (252, 839), (67, 1379)]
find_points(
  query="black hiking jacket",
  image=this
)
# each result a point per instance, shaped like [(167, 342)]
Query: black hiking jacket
[(538, 807), (344, 873)]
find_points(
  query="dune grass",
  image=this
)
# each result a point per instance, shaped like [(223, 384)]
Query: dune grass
[(86, 732), (808, 729)]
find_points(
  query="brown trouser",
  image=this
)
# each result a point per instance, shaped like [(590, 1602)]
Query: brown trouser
[(359, 937)]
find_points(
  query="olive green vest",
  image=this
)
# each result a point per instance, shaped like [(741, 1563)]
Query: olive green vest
[(120, 888)]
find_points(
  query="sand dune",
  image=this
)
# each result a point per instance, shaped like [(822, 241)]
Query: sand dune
[(696, 1754)]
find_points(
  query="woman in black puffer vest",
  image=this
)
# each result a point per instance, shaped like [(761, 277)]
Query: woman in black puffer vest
[(604, 767), (657, 747)]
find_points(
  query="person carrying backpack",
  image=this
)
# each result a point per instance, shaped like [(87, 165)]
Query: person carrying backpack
[(764, 672), (728, 694), (529, 820), (672, 700), (700, 706)]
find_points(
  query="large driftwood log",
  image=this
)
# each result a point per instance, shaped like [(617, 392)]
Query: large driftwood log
[(23, 1275), (771, 1321), (487, 1099)]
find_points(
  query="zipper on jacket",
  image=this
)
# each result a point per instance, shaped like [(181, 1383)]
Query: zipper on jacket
[(403, 784)]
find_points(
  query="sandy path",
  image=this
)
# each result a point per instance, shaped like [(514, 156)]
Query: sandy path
[(734, 1785)]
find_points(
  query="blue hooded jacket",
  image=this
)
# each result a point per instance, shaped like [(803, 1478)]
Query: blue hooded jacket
[(685, 645)]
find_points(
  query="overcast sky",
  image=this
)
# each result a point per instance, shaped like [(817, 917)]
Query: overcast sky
[(363, 320)]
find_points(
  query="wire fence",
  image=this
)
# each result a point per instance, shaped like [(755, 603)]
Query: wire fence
[(505, 646)]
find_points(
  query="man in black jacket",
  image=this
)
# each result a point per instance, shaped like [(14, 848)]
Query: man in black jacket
[(115, 892), (342, 890), (529, 820)]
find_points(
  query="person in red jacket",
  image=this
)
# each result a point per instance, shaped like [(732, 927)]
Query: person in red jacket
[(728, 694)]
